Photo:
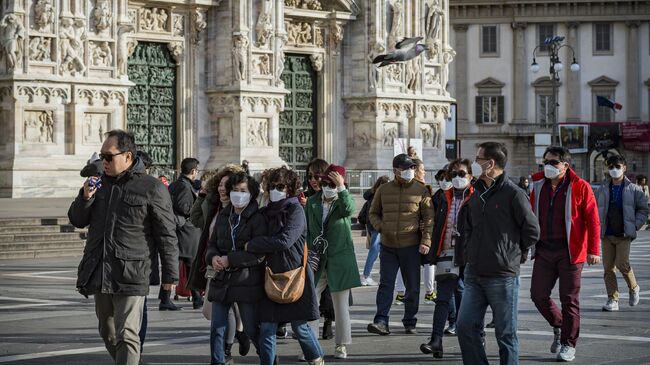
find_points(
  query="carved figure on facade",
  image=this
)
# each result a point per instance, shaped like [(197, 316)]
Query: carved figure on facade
[(337, 33), (71, 48), (394, 73), (40, 49), (413, 74), (199, 23), (437, 138), (433, 27), (280, 40), (125, 48), (396, 25), (264, 65), (178, 25), (432, 78), (427, 135), (176, 49), (390, 134), (38, 127), (95, 125), (240, 56), (13, 36), (317, 61), (264, 27), (102, 16), (153, 19), (361, 135), (298, 33), (258, 132), (376, 48), (305, 4), (43, 15), (101, 54), (447, 58), (318, 39)]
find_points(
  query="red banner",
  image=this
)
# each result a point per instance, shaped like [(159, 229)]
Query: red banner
[(636, 136)]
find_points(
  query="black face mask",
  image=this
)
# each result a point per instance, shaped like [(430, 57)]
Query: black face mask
[(196, 184)]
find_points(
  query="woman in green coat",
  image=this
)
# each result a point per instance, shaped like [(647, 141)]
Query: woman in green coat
[(328, 215)]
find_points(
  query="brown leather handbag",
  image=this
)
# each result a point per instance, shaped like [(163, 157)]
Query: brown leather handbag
[(286, 287)]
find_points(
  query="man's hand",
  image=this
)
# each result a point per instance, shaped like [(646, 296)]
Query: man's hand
[(336, 178), (89, 191), (216, 263), (224, 262), (524, 257), (593, 259), (168, 286), (424, 249)]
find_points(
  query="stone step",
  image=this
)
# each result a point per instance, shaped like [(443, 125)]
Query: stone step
[(41, 245), (53, 221), (32, 254), (18, 237), (66, 228)]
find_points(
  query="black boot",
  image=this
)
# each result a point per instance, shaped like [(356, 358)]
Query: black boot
[(227, 352), (197, 299), (166, 303), (327, 329), (434, 346), (244, 343)]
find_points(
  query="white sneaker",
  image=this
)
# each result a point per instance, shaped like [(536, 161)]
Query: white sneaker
[(611, 305), (368, 281), (341, 352), (556, 340), (634, 296), (567, 354)]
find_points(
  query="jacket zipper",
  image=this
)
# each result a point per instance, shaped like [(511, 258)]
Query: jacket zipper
[(401, 187)]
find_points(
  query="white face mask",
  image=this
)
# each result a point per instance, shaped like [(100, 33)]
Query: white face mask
[(460, 182), (477, 169), (445, 185), (616, 173), (329, 193), (276, 196), (407, 175), (240, 199), (551, 172)]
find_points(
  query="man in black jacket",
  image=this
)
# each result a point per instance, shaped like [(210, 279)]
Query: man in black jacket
[(188, 235), (128, 214), (499, 227)]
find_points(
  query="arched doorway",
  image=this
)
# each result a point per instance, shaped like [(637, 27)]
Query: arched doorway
[(597, 170)]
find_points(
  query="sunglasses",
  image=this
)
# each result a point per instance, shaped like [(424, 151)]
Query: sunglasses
[(459, 173), (109, 157), (328, 184), (279, 187), (552, 162), (617, 166), (313, 177)]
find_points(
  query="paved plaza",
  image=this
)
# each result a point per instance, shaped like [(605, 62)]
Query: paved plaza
[(44, 321)]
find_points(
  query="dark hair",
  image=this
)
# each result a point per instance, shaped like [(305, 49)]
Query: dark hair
[(440, 174), (125, 141), (380, 181), (189, 164), (639, 178), (242, 177), (496, 151), (318, 165), (457, 163), (145, 158), (562, 152), (615, 159), (285, 176)]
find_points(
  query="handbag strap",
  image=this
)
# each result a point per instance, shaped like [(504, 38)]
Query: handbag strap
[(304, 256)]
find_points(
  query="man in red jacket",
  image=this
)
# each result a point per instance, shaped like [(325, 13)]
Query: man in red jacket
[(569, 235)]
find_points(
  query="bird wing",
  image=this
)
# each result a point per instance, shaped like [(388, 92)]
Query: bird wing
[(384, 57), (407, 41)]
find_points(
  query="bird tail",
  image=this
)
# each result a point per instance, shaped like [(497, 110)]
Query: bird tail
[(380, 58)]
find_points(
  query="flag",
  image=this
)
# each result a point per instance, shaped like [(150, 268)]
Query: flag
[(603, 101)]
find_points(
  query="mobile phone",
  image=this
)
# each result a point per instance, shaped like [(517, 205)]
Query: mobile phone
[(301, 195)]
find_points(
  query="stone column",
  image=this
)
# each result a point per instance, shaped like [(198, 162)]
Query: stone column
[(520, 74), (461, 74), (632, 76), (573, 78)]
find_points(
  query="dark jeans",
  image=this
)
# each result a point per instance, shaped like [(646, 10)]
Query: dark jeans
[(500, 293), (143, 326), (445, 294), (407, 260), (548, 268), (454, 301)]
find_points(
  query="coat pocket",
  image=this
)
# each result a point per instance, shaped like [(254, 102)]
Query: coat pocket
[(133, 266)]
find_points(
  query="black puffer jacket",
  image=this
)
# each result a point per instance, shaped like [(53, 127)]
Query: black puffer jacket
[(243, 281), (127, 218), (182, 200)]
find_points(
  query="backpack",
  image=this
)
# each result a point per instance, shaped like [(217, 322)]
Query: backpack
[(363, 214)]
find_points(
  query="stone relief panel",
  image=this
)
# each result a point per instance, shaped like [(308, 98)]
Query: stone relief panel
[(432, 77), (178, 25), (40, 49), (102, 17), (391, 133), (225, 131), (44, 94), (393, 73), (257, 132), (132, 14), (43, 16), (101, 54), (72, 35), (361, 134), (318, 38), (430, 133), (38, 126), (94, 127), (304, 4), (264, 26), (12, 36), (240, 56), (153, 19), (263, 65), (299, 33)]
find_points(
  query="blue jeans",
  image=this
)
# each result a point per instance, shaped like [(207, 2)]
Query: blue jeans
[(373, 252), (306, 338), (408, 260), (455, 300), (248, 312), (501, 294)]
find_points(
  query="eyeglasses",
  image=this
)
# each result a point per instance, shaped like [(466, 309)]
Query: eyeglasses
[(459, 173), (617, 166), (552, 162), (279, 187), (109, 157), (313, 177), (328, 184)]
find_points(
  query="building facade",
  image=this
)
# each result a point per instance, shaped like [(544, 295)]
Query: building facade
[(500, 98), (269, 81)]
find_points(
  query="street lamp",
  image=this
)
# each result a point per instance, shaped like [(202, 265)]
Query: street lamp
[(554, 44)]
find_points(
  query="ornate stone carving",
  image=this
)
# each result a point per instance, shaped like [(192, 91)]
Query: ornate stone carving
[(304, 4), (390, 134), (240, 56), (101, 54), (264, 26), (337, 33), (361, 135), (220, 105), (71, 50), (318, 39), (153, 19), (432, 78), (103, 96), (178, 25), (13, 35), (396, 26), (94, 127), (433, 27), (395, 109), (40, 49), (199, 23), (299, 33), (257, 133), (176, 48), (317, 61), (132, 14), (49, 94), (376, 48), (263, 65), (393, 73), (102, 16), (413, 74), (38, 127), (262, 104), (125, 48), (43, 15), (447, 57), (430, 133), (280, 40)]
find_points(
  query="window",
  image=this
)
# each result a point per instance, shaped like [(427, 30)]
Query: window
[(545, 109), (603, 113), (544, 31), (489, 41), (603, 38), (489, 109)]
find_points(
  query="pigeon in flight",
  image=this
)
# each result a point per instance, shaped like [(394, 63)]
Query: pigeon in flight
[(405, 50)]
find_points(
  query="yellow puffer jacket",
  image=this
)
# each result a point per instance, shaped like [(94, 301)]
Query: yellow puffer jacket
[(402, 213)]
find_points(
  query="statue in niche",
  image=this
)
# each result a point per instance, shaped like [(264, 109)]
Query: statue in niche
[(240, 56), (427, 135), (264, 26), (304, 35), (101, 54), (40, 49), (447, 57), (161, 20), (318, 40), (376, 48), (264, 65), (13, 35), (43, 15), (47, 127), (396, 26), (102, 16), (413, 74), (280, 39), (178, 25), (390, 135), (436, 138), (433, 27), (70, 48), (125, 48)]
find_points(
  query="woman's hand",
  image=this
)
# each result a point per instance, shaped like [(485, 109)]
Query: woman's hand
[(224, 262), (336, 178), (216, 263)]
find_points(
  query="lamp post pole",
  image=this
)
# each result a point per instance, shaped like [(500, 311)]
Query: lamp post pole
[(554, 44)]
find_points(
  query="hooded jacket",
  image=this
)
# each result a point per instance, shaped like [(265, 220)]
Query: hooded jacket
[(635, 207), (127, 218), (580, 216)]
